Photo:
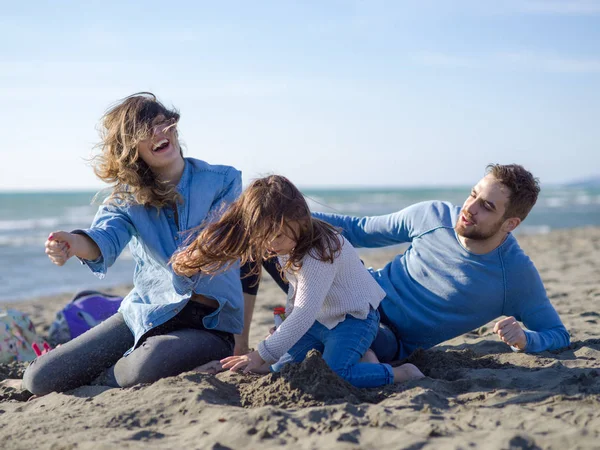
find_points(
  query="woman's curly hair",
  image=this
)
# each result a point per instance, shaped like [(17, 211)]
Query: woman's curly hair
[(118, 162)]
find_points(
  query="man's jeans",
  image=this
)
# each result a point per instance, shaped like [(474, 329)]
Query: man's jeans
[(343, 346)]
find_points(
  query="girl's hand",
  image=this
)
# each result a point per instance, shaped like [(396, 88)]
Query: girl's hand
[(271, 331), (250, 362), (59, 247)]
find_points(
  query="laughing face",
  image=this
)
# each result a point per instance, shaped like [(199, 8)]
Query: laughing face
[(482, 215), (161, 149)]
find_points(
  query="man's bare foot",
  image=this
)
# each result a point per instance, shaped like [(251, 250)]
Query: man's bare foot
[(12, 383), (212, 367), (406, 372), (369, 357)]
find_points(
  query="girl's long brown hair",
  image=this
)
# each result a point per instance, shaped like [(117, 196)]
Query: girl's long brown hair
[(265, 209), (118, 162)]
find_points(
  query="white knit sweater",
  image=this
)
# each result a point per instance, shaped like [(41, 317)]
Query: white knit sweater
[(325, 292)]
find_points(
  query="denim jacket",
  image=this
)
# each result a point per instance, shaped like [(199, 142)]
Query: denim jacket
[(153, 236)]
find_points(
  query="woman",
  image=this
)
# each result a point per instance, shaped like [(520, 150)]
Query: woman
[(168, 323)]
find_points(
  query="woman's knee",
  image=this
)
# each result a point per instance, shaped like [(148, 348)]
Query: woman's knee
[(39, 377)]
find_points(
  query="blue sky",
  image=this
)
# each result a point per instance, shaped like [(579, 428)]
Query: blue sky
[(328, 93)]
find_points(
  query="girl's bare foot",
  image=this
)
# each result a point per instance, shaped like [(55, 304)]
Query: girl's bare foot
[(369, 357), (406, 372)]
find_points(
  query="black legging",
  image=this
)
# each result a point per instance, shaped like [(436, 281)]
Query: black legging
[(250, 283), (179, 345)]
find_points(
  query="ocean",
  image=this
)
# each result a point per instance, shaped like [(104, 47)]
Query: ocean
[(26, 219)]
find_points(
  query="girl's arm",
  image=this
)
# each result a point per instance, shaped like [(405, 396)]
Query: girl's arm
[(314, 281)]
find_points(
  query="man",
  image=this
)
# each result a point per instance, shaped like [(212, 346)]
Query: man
[(463, 269)]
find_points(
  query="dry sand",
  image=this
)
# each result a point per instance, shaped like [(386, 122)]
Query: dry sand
[(477, 393)]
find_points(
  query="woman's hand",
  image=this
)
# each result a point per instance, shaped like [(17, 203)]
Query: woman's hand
[(61, 245), (212, 367), (250, 362)]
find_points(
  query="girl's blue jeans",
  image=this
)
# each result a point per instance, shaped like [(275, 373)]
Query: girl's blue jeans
[(342, 347)]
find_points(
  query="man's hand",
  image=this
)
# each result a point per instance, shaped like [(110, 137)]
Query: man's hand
[(250, 362), (510, 332)]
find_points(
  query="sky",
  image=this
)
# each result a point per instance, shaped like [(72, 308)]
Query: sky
[(329, 93)]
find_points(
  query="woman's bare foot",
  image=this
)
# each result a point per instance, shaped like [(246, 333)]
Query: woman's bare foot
[(369, 357), (212, 367), (406, 372)]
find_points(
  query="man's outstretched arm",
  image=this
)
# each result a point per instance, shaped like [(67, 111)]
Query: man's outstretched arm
[(379, 231)]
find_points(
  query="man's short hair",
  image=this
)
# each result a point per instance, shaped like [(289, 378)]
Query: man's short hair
[(524, 188)]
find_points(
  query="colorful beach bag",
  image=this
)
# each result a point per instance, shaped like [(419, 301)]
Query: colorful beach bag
[(17, 336), (85, 311)]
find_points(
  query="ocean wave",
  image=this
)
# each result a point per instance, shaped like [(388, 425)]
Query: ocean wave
[(568, 199), (36, 240), (45, 223)]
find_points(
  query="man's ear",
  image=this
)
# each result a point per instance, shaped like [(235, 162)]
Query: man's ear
[(510, 224)]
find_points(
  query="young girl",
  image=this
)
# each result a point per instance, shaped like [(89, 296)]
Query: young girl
[(332, 301), (167, 324)]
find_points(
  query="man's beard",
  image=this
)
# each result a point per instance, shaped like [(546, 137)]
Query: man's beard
[(474, 234)]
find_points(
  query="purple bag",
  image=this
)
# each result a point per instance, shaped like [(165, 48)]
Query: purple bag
[(85, 311)]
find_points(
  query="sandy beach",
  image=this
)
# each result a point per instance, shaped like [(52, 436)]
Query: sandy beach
[(477, 393)]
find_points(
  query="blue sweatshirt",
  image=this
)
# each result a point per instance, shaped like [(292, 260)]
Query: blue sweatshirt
[(438, 290)]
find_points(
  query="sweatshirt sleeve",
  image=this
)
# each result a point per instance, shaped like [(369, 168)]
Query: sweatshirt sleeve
[(527, 302), (379, 231), (314, 280)]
